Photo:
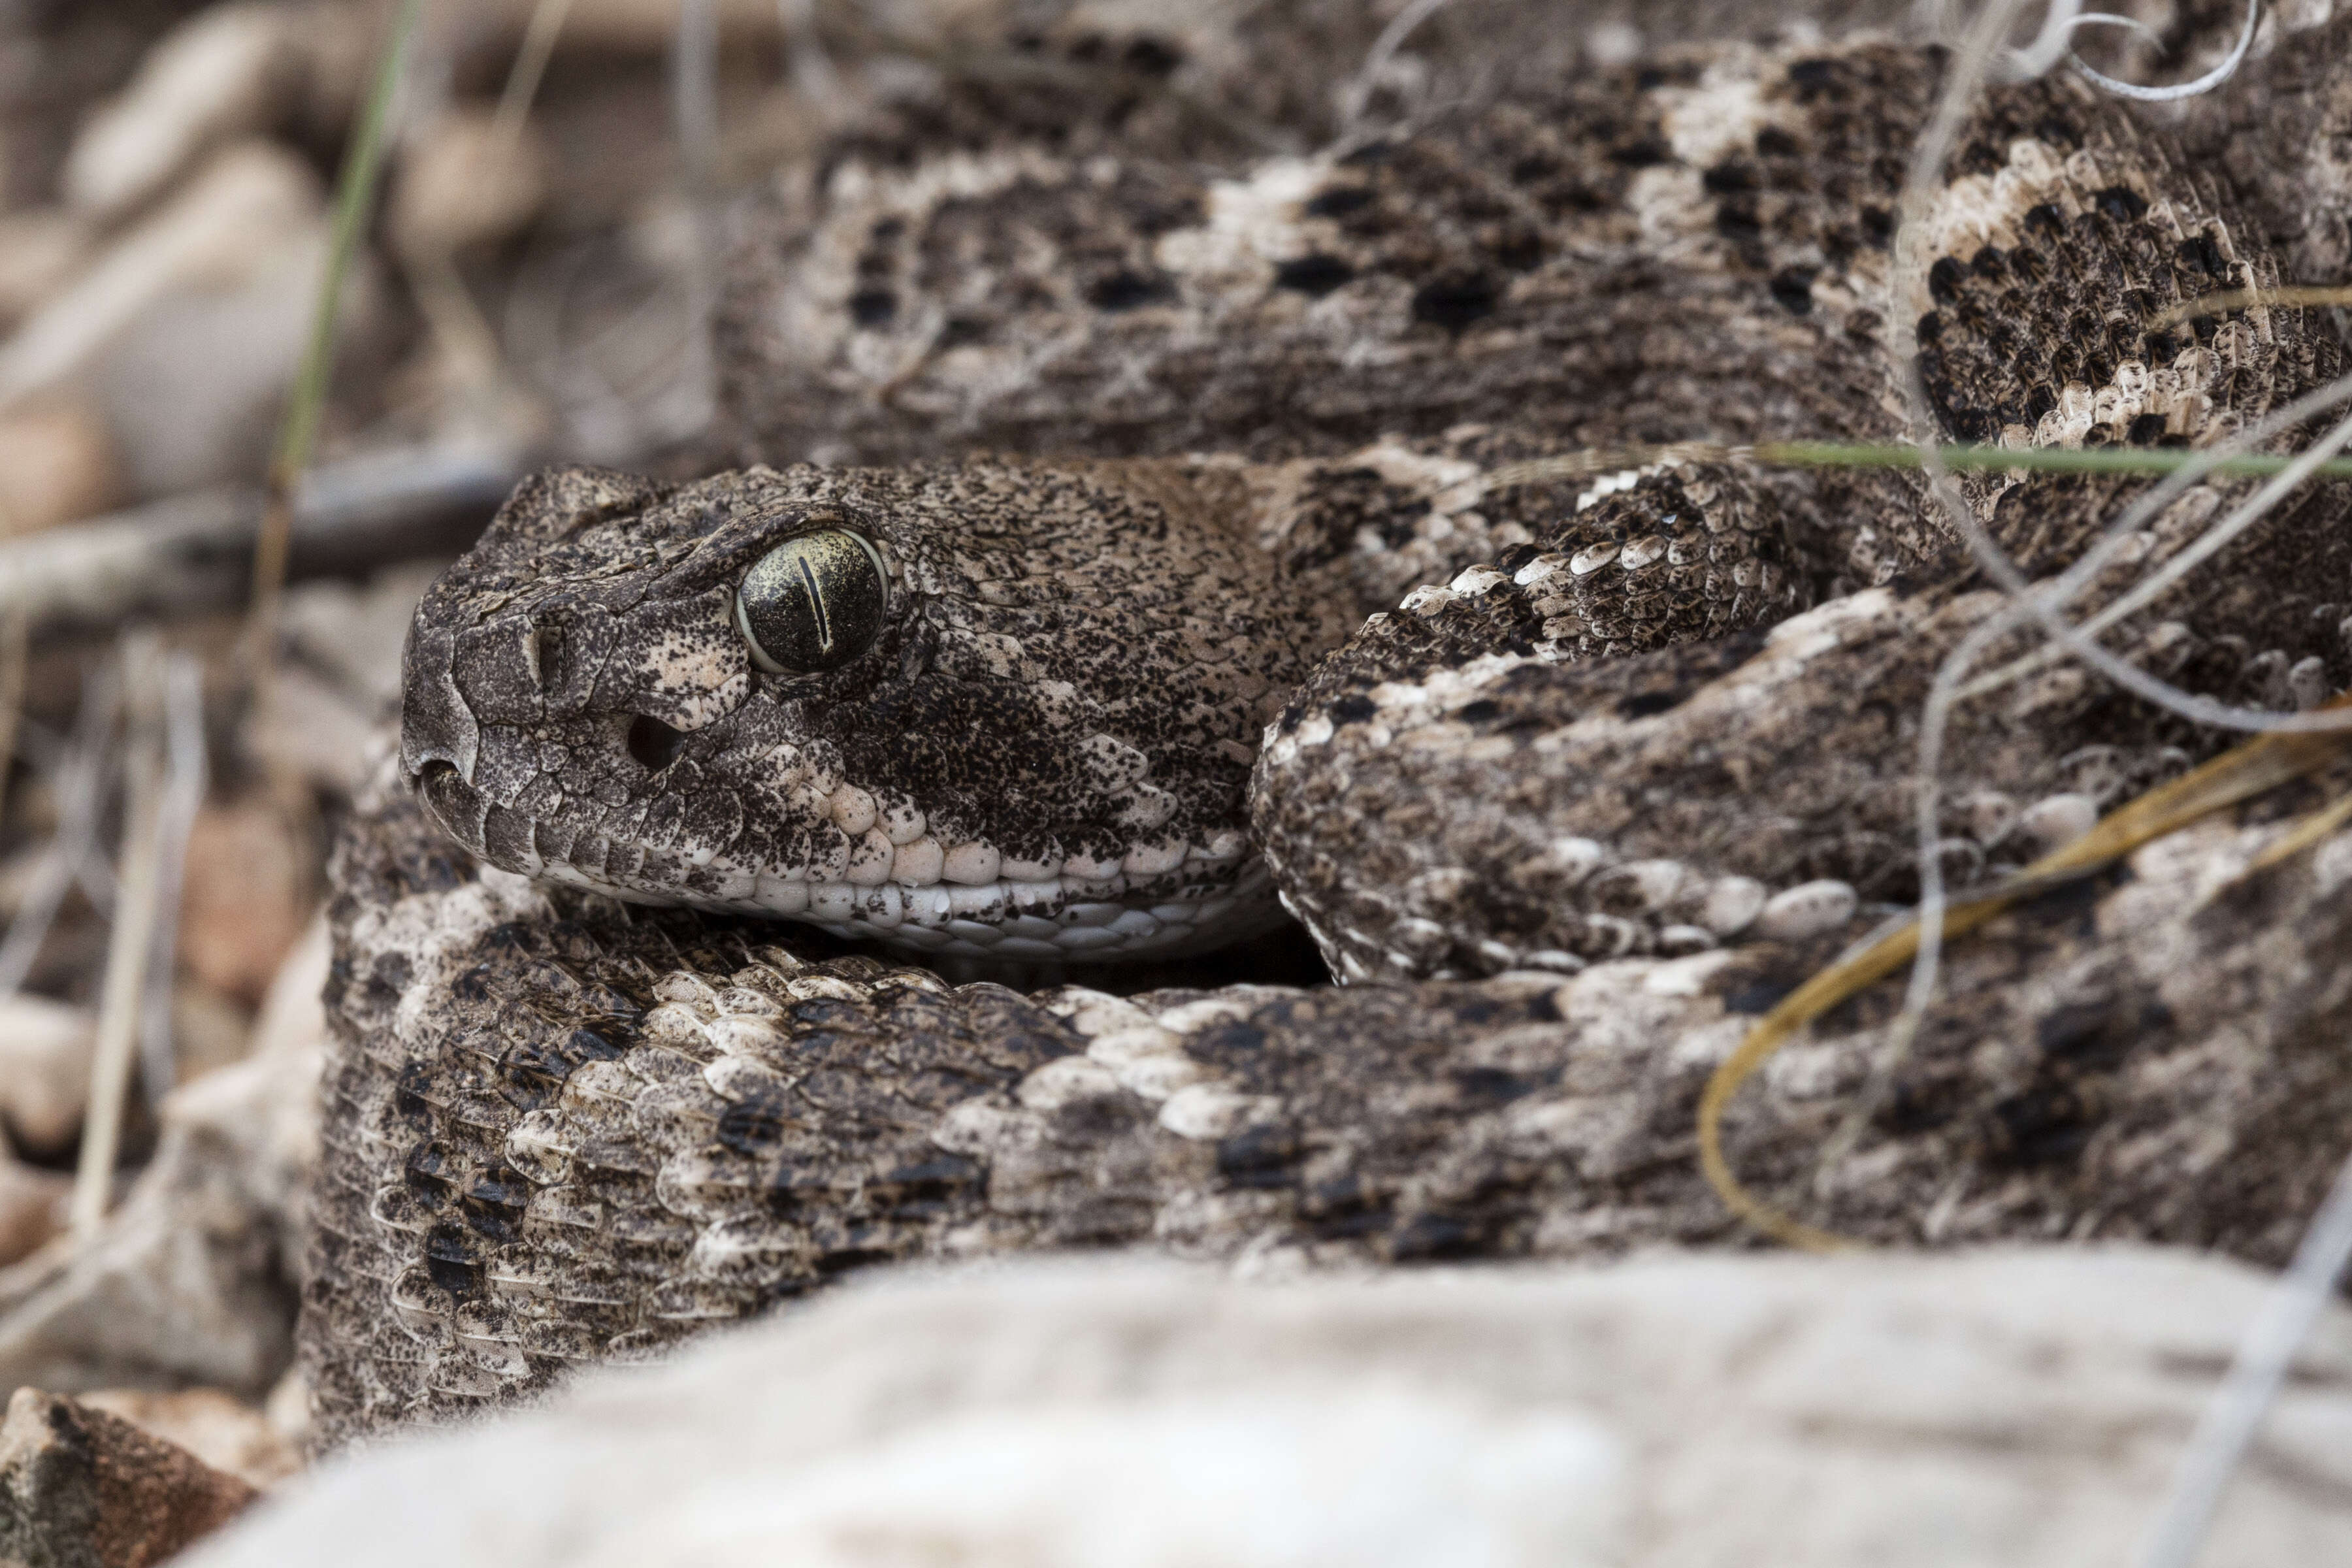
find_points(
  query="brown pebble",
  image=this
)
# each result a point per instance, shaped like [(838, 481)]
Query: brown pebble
[(32, 1208), (217, 1427), (82, 1488)]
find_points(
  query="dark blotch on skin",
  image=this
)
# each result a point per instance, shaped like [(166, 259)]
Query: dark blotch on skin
[(1793, 287), (1313, 275), (1129, 291), (1456, 301)]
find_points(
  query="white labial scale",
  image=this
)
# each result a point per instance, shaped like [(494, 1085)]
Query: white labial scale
[(917, 863), (902, 822), (1090, 869), (1153, 859), (1030, 871), (883, 908), (832, 901), (830, 862), (852, 809), (871, 858), (986, 903), (778, 897), (927, 906), (971, 865), (1036, 898)]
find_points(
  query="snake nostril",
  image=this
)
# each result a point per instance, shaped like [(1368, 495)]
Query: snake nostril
[(654, 743)]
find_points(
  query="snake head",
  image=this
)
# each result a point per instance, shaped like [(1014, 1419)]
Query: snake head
[(994, 708)]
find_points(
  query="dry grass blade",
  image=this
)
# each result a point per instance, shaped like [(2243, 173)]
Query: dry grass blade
[(2246, 771), (80, 784), (546, 25), (354, 201), (128, 942), (182, 796), (2246, 299)]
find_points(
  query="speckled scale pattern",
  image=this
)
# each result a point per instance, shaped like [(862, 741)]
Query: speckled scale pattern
[(690, 1119), (1282, 396)]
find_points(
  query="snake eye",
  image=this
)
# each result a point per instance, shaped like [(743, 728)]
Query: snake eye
[(812, 603)]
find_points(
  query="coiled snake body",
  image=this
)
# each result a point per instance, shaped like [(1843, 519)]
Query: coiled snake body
[(1585, 771)]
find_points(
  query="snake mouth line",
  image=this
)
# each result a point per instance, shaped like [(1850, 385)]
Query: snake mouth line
[(1067, 920)]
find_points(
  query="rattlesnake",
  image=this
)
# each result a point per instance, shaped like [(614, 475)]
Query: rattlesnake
[(1603, 763)]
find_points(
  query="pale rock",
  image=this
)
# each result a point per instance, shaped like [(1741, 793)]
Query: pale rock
[(56, 464), (82, 1487), (189, 1279), (461, 184), (45, 1051), (312, 730), (2019, 1406), (287, 1409), (222, 1430), (241, 903), (209, 1031), (250, 200), (352, 634), (39, 250), (184, 332), (222, 74), (32, 1208)]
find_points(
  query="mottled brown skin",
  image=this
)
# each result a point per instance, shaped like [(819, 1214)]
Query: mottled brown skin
[(715, 1117), (1592, 760)]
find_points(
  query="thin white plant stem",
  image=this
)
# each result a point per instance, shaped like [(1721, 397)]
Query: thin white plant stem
[(128, 940), (815, 76), (1927, 161), (537, 48), (2146, 591), (79, 786), (2203, 84), (2049, 46), (2214, 1454), (183, 798), (2235, 1413), (1358, 91)]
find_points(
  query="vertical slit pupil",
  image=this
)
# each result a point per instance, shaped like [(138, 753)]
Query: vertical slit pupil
[(816, 606)]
